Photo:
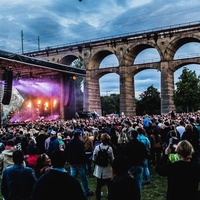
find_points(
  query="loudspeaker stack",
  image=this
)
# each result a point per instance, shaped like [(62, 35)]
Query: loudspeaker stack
[(8, 78)]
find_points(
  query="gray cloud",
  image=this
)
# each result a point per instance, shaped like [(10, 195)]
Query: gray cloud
[(62, 22)]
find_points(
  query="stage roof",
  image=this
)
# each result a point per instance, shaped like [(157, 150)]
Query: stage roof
[(26, 66)]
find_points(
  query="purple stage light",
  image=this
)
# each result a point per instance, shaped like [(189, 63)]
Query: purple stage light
[(32, 91)]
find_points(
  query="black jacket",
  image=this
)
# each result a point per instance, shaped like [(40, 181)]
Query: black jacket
[(135, 151), (123, 187), (57, 185), (75, 152), (183, 179)]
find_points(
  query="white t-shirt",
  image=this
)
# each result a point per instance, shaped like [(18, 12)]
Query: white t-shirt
[(181, 130)]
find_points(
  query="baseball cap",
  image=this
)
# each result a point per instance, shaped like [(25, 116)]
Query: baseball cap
[(53, 132), (77, 132)]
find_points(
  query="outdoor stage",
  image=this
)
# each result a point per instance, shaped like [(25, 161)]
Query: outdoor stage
[(33, 100), (33, 89)]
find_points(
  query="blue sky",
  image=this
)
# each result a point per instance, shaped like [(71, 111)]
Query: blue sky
[(59, 22)]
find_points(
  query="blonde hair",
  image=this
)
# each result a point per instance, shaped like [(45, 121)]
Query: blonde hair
[(59, 137), (185, 149)]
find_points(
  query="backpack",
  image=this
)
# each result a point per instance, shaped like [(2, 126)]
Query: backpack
[(102, 158)]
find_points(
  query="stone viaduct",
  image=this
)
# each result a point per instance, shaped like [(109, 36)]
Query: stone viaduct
[(166, 41)]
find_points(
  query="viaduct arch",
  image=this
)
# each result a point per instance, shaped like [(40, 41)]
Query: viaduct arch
[(166, 41)]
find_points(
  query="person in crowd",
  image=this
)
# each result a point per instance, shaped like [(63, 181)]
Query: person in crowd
[(40, 141), (30, 135), (32, 153), (43, 165), (18, 140), (96, 140), (146, 123), (103, 173), (173, 115), (76, 157), (173, 139), (2, 148), (122, 184), (2, 142), (122, 138), (88, 144), (57, 183), (18, 180), (67, 137), (135, 152), (61, 142), (164, 132), (145, 140), (24, 143), (47, 142), (106, 128), (192, 136), (127, 128), (54, 144), (6, 155), (180, 128), (156, 145), (170, 151), (114, 134), (183, 176)]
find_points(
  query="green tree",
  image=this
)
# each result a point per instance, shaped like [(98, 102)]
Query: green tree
[(79, 94), (110, 104), (149, 102), (186, 95), (78, 82)]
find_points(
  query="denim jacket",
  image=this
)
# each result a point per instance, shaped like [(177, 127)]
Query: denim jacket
[(18, 182)]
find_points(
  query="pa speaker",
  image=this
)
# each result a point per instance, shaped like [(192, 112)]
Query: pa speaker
[(8, 78)]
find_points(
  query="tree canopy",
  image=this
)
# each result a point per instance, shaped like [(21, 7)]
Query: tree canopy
[(149, 102), (186, 94), (110, 104)]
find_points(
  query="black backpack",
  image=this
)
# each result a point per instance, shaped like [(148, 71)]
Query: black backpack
[(102, 158)]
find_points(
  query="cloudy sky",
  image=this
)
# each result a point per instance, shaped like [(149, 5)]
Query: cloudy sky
[(60, 22)]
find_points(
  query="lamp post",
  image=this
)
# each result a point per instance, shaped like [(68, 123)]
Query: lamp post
[(22, 41)]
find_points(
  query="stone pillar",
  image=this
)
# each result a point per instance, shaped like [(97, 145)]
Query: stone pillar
[(92, 101), (127, 93), (167, 88)]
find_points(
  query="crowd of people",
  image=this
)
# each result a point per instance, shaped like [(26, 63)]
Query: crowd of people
[(35, 156)]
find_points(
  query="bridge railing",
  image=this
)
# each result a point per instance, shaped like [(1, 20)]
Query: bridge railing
[(151, 60), (165, 28), (193, 55)]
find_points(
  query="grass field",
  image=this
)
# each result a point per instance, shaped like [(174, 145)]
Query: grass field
[(154, 191)]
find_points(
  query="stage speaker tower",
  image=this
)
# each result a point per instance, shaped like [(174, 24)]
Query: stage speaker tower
[(8, 78)]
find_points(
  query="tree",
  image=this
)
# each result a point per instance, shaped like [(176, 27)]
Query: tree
[(79, 94), (186, 95), (149, 102), (78, 82), (110, 104)]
